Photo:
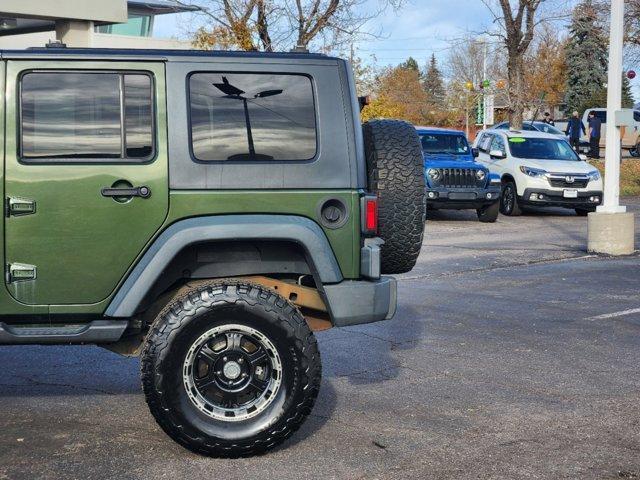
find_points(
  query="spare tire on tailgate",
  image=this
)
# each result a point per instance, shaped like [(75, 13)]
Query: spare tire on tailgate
[(395, 173)]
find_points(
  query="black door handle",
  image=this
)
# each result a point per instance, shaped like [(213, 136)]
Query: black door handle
[(143, 192)]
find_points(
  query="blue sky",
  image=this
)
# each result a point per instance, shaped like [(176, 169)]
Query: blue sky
[(421, 28)]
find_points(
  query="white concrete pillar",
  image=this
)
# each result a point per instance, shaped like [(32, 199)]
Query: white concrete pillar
[(75, 33), (610, 230)]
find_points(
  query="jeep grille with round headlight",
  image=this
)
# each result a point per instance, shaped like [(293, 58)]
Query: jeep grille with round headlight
[(457, 177)]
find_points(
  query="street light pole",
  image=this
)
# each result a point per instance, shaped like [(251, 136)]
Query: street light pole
[(611, 229), (484, 77), (613, 151)]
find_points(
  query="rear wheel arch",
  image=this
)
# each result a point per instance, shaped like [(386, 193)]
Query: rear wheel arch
[(213, 238)]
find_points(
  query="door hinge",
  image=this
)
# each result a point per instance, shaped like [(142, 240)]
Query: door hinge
[(20, 206), (20, 272)]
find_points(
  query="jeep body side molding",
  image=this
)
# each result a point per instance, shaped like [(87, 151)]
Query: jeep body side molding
[(184, 233)]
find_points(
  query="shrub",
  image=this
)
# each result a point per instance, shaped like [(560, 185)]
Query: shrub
[(629, 176)]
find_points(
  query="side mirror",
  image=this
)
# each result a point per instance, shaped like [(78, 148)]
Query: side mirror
[(475, 152), (583, 157), (497, 154)]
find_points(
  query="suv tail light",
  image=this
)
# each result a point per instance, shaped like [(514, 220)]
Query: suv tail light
[(369, 214)]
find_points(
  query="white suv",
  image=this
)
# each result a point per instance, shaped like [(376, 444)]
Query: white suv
[(539, 169)]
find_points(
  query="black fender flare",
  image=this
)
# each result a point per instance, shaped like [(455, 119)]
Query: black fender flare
[(183, 233)]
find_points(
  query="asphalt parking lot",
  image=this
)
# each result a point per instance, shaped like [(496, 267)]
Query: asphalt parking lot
[(513, 354)]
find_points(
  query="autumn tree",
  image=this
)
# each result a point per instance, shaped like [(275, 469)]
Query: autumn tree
[(545, 75), (517, 24), (399, 94), (587, 58), (434, 84), (270, 25)]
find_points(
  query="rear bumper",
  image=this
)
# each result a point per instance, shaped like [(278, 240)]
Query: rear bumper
[(462, 198), (353, 302), (555, 198)]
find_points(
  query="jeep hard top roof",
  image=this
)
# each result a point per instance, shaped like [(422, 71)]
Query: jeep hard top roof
[(438, 130), (162, 55)]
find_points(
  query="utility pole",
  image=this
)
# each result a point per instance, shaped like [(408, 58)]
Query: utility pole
[(484, 77), (611, 229)]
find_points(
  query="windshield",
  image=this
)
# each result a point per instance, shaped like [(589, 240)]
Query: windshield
[(546, 128), (542, 149), (448, 143)]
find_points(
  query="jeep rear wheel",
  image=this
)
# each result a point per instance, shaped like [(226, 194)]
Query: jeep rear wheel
[(230, 369), (395, 174)]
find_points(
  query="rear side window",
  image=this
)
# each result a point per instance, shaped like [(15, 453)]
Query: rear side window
[(636, 116), (86, 116), (252, 117)]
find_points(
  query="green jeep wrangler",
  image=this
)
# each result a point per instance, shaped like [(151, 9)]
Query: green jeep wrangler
[(207, 211)]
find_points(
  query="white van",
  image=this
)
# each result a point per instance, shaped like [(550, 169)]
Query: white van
[(631, 136)]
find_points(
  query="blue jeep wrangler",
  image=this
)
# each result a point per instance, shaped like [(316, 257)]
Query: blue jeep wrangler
[(454, 179)]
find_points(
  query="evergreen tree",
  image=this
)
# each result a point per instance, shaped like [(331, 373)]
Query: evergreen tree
[(410, 64), (599, 98), (627, 97), (433, 83), (587, 58)]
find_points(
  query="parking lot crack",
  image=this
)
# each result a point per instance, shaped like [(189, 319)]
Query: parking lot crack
[(545, 261), (33, 381)]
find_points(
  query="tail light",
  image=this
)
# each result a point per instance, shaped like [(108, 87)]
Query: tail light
[(369, 214)]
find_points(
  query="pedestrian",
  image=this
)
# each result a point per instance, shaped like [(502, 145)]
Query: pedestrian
[(595, 131), (548, 119), (575, 129)]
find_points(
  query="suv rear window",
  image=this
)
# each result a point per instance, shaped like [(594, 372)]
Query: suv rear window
[(252, 117), (73, 116)]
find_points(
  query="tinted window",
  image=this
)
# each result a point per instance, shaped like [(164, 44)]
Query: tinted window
[(444, 143), (252, 117), (546, 128), (138, 118), (601, 114), (71, 115), (636, 116)]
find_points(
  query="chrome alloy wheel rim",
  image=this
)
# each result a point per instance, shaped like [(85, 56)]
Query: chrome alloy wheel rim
[(232, 373)]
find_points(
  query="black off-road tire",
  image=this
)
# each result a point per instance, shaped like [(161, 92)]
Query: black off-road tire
[(183, 321), (509, 205), (489, 213), (396, 174)]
